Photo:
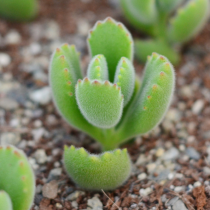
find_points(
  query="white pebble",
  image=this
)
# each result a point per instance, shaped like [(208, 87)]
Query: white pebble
[(170, 176), (4, 59), (198, 106), (197, 184), (13, 37), (142, 176)]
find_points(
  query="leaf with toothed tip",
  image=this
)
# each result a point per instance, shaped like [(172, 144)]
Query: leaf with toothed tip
[(101, 103), (16, 177), (97, 68), (189, 20), (113, 40), (154, 97), (5, 201), (143, 48), (62, 81), (106, 171), (124, 78)]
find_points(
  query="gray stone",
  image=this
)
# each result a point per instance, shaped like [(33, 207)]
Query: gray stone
[(171, 154), (9, 138), (192, 153), (5, 59), (75, 195), (41, 96), (8, 104), (176, 204), (50, 190), (13, 37), (198, 106), (94, 204)]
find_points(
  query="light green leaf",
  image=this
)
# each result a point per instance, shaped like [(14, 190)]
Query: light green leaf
[(112, 40), (125, 78), (189, 20), (100, 103), (16, 177), (106, 171), (5, 201)]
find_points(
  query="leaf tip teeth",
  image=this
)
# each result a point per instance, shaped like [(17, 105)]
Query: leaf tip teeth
[(95, 82), (125, 150), (69, 82), (91, 32), (149, 97), (70, 94), (154, 54), (115, 85), (23, 178), (62, 57), (120, 25), (65, 147), (162, 74), (58, 50), (21, 164), (17, 154), (145, 108), (106, 82), (99, 23), (66, 70), (98, 68), (94, 158), (109, 19), (148, 57), (162, 58), (127, 34), (119, 88), (86, 79), (8, 148), (154, 87), (117, 151), (66, 45), (72, 147)]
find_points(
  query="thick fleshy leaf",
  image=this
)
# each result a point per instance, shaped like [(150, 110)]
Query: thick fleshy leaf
[(144, 48), (16, 177), (97, 68), (20, 10), (112, 40), (189, 20), (64, 73), (125, 78), (141, 14), (100, 103), (106, 171), (168, 5), (5, 201), (154, 97)]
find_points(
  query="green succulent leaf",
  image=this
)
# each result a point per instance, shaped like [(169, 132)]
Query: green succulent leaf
[(112, 40), (144, 48), (168, 5), (189, 20), (16, 177), (98, 68), (64, 73), (5, 201), (154, 97), (100, 103), (20, 10), (106, 171), (125, 78), (141, 14)]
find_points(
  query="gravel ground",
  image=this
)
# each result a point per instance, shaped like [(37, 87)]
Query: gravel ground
[(171, 167)]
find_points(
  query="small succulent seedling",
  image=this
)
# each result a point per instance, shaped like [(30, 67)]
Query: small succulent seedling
[(18, 10), (17, 182), (170, 22), (109, 104)]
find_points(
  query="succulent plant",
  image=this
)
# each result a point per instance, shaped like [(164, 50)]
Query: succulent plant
[(170, 23), (109, 104), (18, 10), (17, 182)]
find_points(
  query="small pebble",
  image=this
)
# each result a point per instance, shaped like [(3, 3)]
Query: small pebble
[(41, 96), (4, 59), (197, 184), (13, 37), (171, 154), (50, 190), (159, 152), (145, 192), (142, 176), (192, 153), (40, 156), (179, 188), (94, 204), (198, 106), (75, 195)]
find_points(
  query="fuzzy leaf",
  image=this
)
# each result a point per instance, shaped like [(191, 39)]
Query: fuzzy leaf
[(5, 201), (189, 20), (100, 103), (168, 5), (112, 40), (62, 81), (144, 48), (97, 68), (141, 14), (16, 177), (106, 171), (20, 10), (125, 78), (154, 97)]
